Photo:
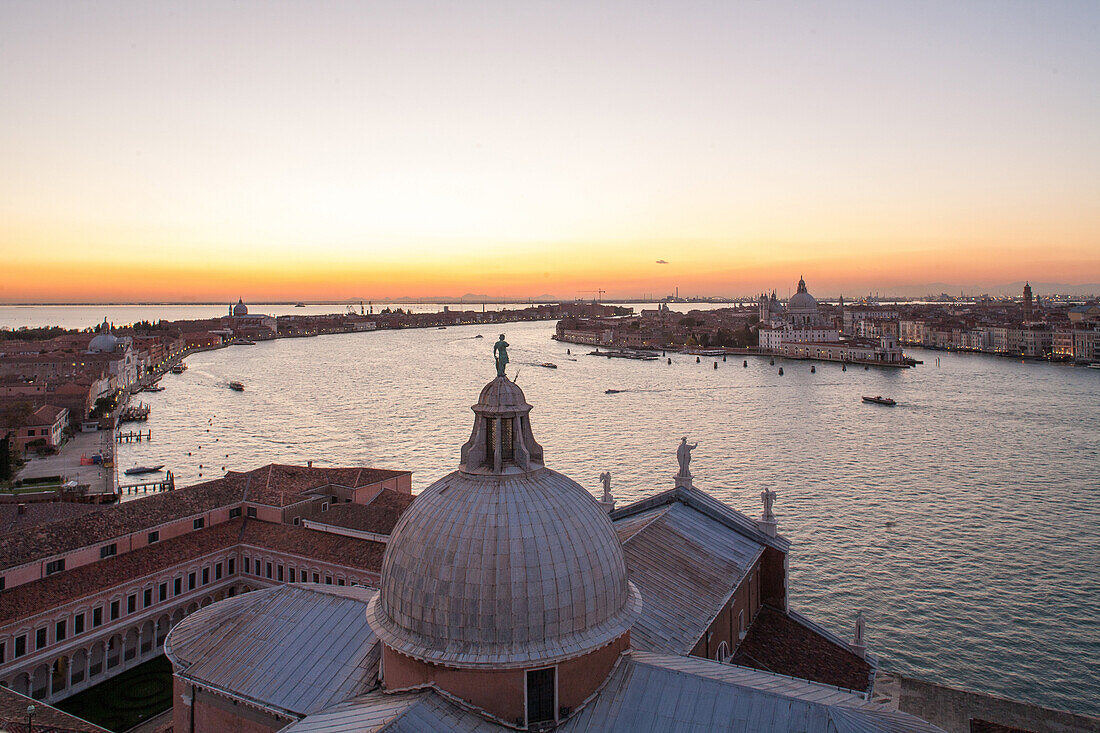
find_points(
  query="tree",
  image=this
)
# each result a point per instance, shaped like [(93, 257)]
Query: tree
[(7, 467)]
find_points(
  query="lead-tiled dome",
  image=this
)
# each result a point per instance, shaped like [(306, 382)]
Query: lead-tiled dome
[(503, 562)]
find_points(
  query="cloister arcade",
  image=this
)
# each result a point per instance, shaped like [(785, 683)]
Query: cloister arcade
[(98, 658)]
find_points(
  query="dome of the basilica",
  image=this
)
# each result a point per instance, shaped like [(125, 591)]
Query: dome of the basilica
[(240, 309), (503, 566), (802, 300), (501, 571), (104, 341)]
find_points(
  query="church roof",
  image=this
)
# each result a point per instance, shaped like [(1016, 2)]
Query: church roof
[(705, 503), (647, 692), (679, 606), (785, 644), (295, 648)]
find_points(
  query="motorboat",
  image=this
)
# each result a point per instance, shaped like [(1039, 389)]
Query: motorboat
[(479, 336), (548, 365), (245, 342), (880, 400), (612, 391), (179, 368), (1094, 365), (154, 388), (138, 470), (236, 386), (299, 305)]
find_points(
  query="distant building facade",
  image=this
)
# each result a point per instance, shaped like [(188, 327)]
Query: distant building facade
[(799, 331)]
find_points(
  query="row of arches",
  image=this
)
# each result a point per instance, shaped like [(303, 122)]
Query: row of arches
[(278, 570), (94, 661), (59, 629)]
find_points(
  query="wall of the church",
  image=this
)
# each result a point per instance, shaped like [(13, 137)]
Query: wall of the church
[(502, 692), (195, 710), (773, 578), (735, 617)]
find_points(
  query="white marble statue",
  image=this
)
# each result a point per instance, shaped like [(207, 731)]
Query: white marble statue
[(683, 455), (768, 497), (605, 477), (858, 645)]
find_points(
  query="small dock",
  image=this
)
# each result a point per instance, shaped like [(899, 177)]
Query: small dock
[(137, 413), (134, 436), (168, 483)]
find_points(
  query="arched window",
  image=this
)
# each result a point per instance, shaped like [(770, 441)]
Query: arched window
[(723, 653)]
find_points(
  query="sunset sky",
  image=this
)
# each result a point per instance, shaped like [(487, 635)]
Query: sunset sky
[(298, 150)]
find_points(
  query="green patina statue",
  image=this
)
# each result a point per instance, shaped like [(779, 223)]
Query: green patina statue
[(500, 353)]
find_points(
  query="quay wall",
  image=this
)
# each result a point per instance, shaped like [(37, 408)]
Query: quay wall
[(953, 709)]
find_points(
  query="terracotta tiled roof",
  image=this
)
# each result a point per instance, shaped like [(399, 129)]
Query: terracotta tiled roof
[(276, 485), (13, 716), (39, 595), (55, 538), (378, 516), (45, 415), (31, 598), (777, 643), (336, 549), (281, 485), (41, 513)]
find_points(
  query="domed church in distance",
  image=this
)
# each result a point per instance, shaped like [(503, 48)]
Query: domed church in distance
[(510, 599)]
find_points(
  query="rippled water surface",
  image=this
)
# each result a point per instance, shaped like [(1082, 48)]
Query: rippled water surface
[(964, 521)]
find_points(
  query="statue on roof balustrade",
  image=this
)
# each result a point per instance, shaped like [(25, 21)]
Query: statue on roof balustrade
[(683, 455)]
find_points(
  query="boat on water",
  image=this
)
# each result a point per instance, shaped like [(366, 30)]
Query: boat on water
[(245, 342), (299, 305), (479, 336), (138, 470), (179, 368), (154, 388), (1094, 365), (880, 400), (612, 391), (635, 355), (236, 386), (548, 365)]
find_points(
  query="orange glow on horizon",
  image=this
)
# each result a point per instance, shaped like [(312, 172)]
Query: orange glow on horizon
[(166, 153)]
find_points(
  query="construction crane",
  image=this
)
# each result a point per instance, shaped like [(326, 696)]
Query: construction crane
[(599, 293)]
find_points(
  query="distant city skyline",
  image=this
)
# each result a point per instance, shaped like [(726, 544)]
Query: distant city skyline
[(166, 152)]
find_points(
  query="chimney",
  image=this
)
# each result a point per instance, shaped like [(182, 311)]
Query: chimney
[(309, 464), (22, 509)]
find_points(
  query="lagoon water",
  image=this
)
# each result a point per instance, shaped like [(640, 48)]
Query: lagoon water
[(965, 522)]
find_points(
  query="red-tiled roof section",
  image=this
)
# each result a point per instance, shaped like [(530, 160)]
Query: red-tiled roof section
[(41, 512), (275, 484), (777, 643), (65, 535), (45, 415), (13, 716), (282, 485), (31, 598), (350, 552), (379, 515)]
